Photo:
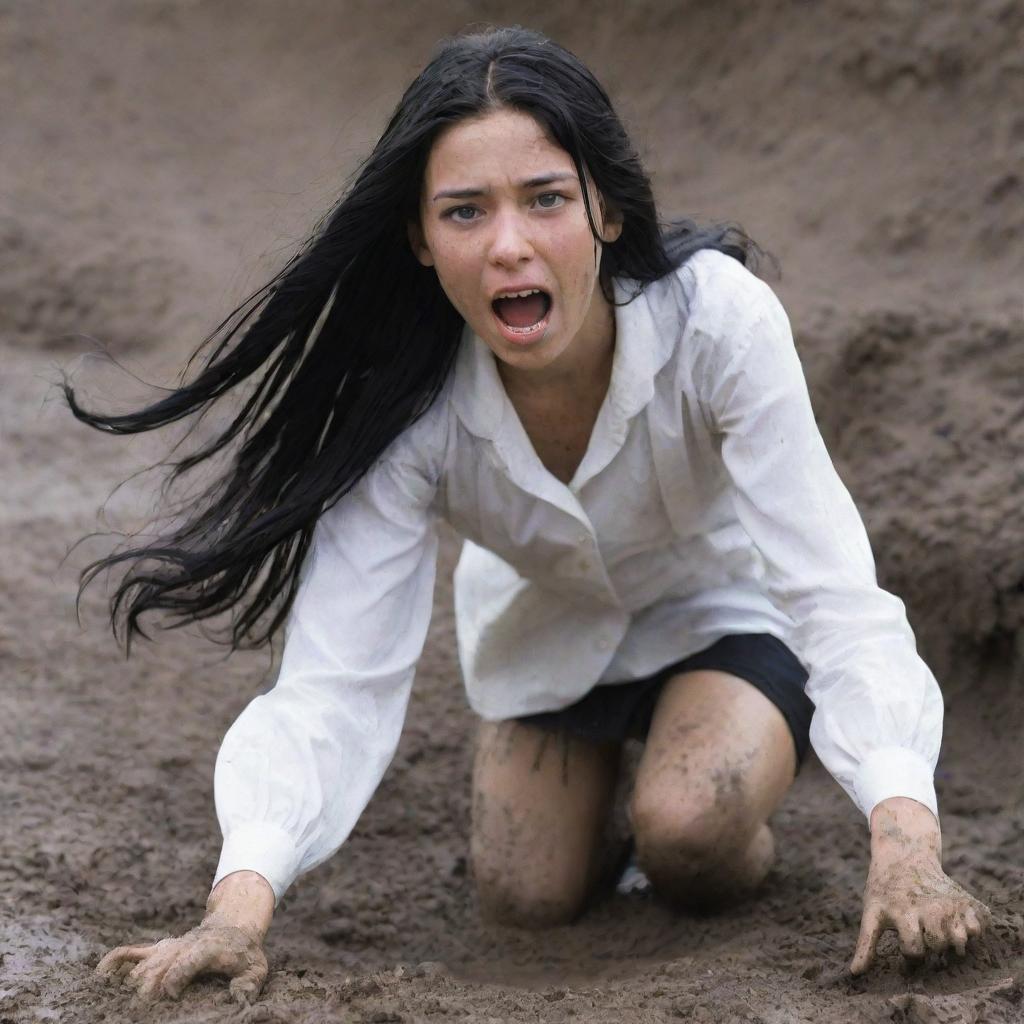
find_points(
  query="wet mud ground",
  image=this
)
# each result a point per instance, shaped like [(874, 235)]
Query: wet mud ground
[(160, 157)]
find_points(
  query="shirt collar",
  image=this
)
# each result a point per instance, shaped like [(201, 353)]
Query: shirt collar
[(643, 343)]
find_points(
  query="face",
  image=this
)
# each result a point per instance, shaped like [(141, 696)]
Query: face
[(501, 212)]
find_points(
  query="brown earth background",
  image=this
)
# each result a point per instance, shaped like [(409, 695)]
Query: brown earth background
[(160, 158)]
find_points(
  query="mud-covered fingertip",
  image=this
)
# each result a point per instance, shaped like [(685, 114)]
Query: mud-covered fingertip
[(913, 962), (244, 995), (104, 964), (864, 954)]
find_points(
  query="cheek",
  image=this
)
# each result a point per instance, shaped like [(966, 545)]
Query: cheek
[(453, 271), (580, 267), (457, 286), (454, 261)]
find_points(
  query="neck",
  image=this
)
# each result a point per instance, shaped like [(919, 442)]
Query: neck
[(583, 368)]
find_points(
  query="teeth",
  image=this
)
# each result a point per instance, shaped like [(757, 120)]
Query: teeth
[(518, 295)]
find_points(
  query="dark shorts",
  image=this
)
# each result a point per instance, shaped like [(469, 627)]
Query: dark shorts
[(619, 711)]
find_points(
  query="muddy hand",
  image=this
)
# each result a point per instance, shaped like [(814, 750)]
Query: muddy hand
[(929, 911), (167, 967)]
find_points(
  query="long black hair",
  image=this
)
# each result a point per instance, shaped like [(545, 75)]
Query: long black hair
[(324, 349)]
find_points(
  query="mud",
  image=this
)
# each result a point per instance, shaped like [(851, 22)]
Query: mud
[(160, 158)]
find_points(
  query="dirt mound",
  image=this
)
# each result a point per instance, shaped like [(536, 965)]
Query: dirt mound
[(924, 416), (160, 159)]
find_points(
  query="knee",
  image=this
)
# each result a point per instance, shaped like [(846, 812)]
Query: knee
[(687, 844), (528, 899), (686, 831)]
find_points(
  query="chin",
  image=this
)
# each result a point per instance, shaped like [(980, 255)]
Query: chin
[(534, 357)]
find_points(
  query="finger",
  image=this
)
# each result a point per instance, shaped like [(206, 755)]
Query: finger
[(134, 976), (247, 986), (117, 958), (162, 954), (871, 926), (149, 985), (908, 926), (182, 972), (974, 922), (958, 935), (983, 913), (124, 970), (936, 936)]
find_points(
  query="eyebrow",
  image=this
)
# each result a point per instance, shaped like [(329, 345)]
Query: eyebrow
[(472, 193)]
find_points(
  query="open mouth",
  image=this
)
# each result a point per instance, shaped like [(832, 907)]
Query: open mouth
[(523, 313)]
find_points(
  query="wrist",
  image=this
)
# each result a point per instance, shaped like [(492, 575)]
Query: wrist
[(243, 899), (902, 828)]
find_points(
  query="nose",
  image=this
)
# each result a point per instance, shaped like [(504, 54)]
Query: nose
[(510, 243)]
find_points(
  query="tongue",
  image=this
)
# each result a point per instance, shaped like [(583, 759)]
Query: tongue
[(523, 312)]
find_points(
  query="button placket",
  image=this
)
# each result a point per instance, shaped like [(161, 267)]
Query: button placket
[(585, 557), (589, 565)]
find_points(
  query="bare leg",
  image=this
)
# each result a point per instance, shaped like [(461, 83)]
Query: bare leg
[(541, 802), (718, 761)]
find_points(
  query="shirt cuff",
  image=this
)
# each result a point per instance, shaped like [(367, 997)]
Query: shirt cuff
[(894, 771), (263, 848)]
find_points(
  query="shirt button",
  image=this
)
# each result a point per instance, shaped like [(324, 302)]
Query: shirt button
[(603, 643), (583, 538)]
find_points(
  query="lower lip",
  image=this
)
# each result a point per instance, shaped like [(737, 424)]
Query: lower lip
[(534, 334)]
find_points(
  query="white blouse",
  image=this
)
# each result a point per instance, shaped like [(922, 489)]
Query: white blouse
[(706, 504)]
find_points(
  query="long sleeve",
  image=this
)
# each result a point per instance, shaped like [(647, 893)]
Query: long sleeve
[(877, 724), (299, 765)]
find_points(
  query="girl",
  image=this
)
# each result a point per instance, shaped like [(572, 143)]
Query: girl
[(492, 328)]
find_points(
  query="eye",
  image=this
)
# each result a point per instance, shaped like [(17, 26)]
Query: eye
[(558, 200), (455, 214)]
